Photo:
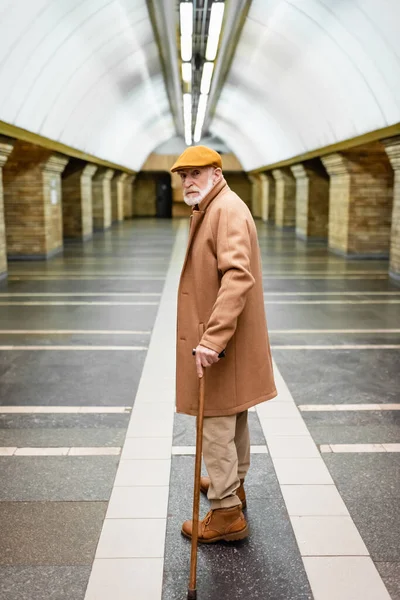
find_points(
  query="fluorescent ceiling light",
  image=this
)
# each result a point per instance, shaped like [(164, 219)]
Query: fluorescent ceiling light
[(201, 113), (186, 11), (206, 77), (187, 72), (214, 29), (187, 117), (186, 48)]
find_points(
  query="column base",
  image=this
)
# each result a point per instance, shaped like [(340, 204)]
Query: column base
[(310, 238), (366, 256), (285, 227), (395, 277), (101, 229), (80, 238), (51, 254), (3, 276)]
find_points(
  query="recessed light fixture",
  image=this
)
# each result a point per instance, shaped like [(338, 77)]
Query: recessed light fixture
[(214, 29), (206, 77)]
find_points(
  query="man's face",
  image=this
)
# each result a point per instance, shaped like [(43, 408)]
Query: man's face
[(197, 182)]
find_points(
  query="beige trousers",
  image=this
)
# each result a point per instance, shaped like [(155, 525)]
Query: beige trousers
[(226, 453)]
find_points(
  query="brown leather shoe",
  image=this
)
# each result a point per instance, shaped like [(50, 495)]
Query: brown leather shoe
[(222, 524), (241, 494)]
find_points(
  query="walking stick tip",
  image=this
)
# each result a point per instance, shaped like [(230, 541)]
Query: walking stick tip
[(192, 595)]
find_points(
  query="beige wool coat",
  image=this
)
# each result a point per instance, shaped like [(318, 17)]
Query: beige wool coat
[(221, 306)]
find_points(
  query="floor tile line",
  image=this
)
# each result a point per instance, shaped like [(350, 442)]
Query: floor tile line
[(83, 294), (306, 302), (337, 347), (75, 303), (75, 348), (72, 331), (65, 409), (342, 293), (308, 471), (346, 407), (164, 334), (315, 331)]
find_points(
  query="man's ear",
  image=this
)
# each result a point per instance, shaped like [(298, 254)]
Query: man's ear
[(217, 174)]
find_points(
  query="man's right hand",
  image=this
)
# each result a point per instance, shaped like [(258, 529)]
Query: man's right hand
[(204, 358)]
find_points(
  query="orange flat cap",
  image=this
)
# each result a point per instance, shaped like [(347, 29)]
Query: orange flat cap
[(197, 156)]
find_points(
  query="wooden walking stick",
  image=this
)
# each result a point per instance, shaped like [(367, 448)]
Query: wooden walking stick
[(192, 592)]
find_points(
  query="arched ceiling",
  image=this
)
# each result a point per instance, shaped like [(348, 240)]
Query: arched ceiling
[(307, 74), (85, 73)]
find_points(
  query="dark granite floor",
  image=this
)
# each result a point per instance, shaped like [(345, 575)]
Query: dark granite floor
[(52, 508)]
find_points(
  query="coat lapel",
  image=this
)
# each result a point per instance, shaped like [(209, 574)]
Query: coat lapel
[(197, 215)]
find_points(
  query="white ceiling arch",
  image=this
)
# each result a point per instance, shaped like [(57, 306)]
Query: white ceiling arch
[(85, 73), (307, 74)]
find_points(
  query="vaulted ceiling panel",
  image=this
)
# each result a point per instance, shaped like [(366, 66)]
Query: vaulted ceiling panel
[(86, 73), (308, 74)]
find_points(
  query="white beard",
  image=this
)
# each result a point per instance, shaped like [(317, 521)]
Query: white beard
[(201, 195)]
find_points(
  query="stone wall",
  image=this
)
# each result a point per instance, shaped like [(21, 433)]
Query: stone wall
[(77, 202), (101, 199), (5, 150), (32, 201), (360, 202), (392, 147), (312, 201), (285, 198)]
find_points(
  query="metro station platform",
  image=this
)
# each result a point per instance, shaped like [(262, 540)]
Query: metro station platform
[(96, 469)]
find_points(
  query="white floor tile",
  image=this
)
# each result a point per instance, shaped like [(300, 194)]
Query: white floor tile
[(183, 450), (7, 451), (277, 410), (41, 452), (292, 447), (126, 579), (325, 448), (305, 471), (147, 448), (313, 500), (151, 426), (357, 448), (94, 451), (138, 503), (328, 536), (344, 578), (391, 447), (132, 538), (143, 473), (290, 426)]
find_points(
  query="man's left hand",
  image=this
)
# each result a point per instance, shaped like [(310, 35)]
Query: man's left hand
[(205, 358)]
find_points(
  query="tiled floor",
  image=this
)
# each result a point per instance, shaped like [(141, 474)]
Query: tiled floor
[(101, 518)]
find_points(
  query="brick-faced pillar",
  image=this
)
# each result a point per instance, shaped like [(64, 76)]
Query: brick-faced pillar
[(267, 190), (77, 201), (312, 201), (285, 198), (117, 196), (128, 197), (360, 202), (32, 202), (255, 196), (392, 147), (5, 151), (101, 199)]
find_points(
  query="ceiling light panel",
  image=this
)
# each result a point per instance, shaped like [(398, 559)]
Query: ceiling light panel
[(208, 69), (187, 72), (186, 18), (201, 113), (186, 48), (214, 29)]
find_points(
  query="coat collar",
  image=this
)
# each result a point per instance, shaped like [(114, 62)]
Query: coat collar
[(202, 207)]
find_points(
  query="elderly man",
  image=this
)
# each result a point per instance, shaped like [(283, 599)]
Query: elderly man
[(221, 307)]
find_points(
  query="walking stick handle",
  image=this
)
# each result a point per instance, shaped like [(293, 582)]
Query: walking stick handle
[(220, 355)]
